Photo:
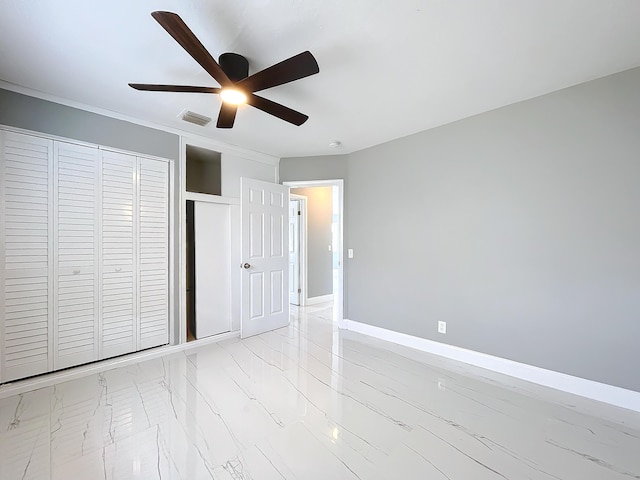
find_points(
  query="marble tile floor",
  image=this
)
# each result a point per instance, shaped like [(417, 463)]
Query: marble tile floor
[(311, 402)]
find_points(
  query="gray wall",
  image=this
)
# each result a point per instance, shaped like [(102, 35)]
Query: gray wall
[(31, 113), (319, 258), (520, 227), (327, 167)]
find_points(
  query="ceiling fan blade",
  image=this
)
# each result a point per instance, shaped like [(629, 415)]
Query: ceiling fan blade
[(173, 88), (227, 115), (176, 27), (294, 68), (277, 110)]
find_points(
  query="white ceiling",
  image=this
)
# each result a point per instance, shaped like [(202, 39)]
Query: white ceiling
[(387, 68)]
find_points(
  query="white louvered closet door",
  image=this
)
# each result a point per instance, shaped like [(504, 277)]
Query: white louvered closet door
[(26, 294), (119, 328), (76, 230), (153, 254)]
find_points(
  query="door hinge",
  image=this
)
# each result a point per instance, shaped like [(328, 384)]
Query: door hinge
[(299, 290), (298, 212)]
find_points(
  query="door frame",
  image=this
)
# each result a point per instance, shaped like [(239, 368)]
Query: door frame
[(338, 315), (302, 233)]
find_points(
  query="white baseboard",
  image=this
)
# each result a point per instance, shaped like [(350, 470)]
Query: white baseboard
[(602, 392), (46, 380), (320, 299)]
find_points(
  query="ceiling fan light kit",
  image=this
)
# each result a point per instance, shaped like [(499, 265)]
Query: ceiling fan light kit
[(232, 73), (233, 96)]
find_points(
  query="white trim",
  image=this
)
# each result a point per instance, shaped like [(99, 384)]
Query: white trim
[(314, 183), (191, 137), (173, 338), (208, 198), (617, 396), (182, 244), (319, 299), (46, 380), (226, 149), (329, 183), (302, 247), (304, 262)]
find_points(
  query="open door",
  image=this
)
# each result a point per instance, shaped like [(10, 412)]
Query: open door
[(294, 252), (264, 213)]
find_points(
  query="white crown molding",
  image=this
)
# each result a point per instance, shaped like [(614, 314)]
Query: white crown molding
[(188, 136), (602, 392)]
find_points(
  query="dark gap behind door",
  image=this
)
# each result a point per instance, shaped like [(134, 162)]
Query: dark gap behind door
[(191, 272)]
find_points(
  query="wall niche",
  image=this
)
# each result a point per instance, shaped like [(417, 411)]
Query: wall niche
[(203, 171)]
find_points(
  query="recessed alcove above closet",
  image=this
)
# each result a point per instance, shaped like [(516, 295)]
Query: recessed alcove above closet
[(203, 170)]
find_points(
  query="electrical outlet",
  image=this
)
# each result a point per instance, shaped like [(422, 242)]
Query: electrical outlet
[(442, 327)]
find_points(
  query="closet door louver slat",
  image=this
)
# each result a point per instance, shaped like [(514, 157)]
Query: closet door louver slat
[(76, 228), (119, 326), (153, 255), (26, 270)]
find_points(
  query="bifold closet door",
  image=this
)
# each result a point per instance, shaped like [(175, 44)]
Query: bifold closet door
[(26, 255), (153, 252), (76, 332), (119, 328)]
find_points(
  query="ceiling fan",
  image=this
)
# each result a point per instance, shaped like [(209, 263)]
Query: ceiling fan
[(232, 73)]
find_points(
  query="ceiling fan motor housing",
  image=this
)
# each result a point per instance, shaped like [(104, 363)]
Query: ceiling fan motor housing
[(234, 65)]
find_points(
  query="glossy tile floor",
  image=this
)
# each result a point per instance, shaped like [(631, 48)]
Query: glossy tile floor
[(311, 402)]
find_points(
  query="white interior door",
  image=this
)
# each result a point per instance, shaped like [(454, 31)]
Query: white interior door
[(294, 252), (212, 224), (264, 247)]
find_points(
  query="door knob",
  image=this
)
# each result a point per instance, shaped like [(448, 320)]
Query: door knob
[(246, 265)]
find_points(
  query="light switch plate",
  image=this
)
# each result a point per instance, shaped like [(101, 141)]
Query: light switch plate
[(350, 253)]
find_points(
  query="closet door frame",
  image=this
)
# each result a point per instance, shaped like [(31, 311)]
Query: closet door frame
[(172, 182)]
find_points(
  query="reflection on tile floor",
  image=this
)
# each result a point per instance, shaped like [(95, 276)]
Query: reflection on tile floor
[(311, 402)]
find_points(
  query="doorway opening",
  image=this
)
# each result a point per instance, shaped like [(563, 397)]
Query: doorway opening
[(319, 237)]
